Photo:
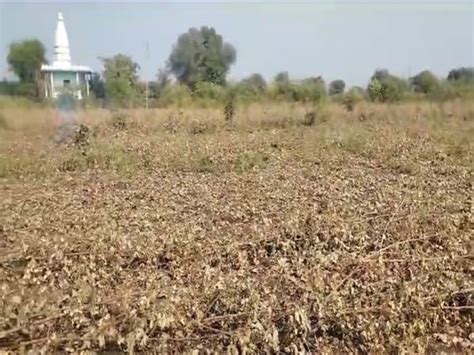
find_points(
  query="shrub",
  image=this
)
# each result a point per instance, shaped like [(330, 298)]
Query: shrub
[(256, 82), (203, 164), (179, 95), (309, 90), (374, 90), (201, 127), (309, 118), (210, 91), (17, 89), (247, 91), (352, 97), (81, 136), (251, 160)]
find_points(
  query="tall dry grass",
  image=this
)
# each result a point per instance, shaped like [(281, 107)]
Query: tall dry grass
[(173, 134)]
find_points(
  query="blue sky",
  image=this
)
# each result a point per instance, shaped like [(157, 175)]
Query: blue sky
[(335, 39)]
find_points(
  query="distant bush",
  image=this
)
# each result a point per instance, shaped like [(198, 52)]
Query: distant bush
[(425, 82), (246, 92), (282, 78), (209, 91), (20, 102), (384, 87), (449, 90), (308, 90), (17, 89), (311, 89), (461, 74), (251, 89), (256, 82), (178, 94), (352, 97), (337, 87)]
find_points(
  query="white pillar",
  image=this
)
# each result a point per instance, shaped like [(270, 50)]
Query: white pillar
[(45, 85), (87, 77), (52, 83), (78, 85)]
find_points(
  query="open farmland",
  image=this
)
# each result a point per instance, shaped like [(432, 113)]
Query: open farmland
[(172, 230)]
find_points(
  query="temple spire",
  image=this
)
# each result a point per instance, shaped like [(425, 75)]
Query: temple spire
[(62, 56)]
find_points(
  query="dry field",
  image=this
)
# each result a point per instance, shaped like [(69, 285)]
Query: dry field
[(172, 231)]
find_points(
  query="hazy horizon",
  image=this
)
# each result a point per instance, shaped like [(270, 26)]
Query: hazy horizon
[(346, 40)]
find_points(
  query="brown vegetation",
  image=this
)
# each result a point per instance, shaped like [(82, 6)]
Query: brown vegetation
[(173, 230)]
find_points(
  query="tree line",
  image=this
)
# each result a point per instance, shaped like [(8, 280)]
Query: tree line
[(200, 61)]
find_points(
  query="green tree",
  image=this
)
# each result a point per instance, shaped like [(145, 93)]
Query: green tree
[(121, 79), (25, 59), (337, 87), (425, 82), (385, 87), (201, 55)]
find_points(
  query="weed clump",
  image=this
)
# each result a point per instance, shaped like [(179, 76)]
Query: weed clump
[(201, 127), (81, 136), (120, 120), (170, 125), (229, 108), (309, 118)]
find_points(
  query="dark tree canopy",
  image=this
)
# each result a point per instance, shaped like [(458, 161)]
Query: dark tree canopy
[(337, 87), (381, 75), (97, 86), (25, 59), (282, 77), (201, 55), (462, 74), (425, 82)]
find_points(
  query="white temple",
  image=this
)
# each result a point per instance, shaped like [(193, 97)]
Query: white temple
[(62, 75)]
